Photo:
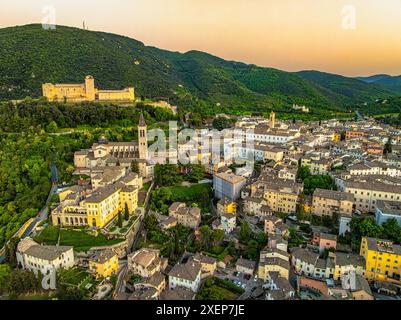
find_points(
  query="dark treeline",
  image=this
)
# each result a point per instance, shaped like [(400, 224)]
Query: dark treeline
[(34, 113)]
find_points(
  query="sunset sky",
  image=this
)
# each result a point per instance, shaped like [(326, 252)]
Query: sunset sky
[(285, 34)]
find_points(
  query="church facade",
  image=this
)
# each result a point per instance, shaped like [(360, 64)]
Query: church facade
[(112, 154)]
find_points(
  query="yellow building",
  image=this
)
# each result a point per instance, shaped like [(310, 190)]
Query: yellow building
[(104, 264), (98, 209), (347, 263), (225, 206), (336, 137), (383, 260), (104, 206), (85, 92), (273, 260), (282, 196)]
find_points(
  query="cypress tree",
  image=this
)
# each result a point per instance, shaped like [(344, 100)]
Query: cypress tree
[(120, 220), (126, 212)]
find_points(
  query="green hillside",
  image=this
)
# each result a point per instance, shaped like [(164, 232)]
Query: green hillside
[(30, 56), (391, 83), (352, 89)]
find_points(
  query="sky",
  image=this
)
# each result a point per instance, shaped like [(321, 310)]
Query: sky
[(349, 37)]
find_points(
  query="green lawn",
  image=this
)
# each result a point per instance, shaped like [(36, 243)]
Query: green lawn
[(217, 289), (74, 276), (193, 192), (81, 240), (48, 236), (78, 277), (200, 194)]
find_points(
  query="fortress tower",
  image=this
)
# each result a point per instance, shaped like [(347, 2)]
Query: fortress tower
[(142, 138), (90, 88), (272, 120)]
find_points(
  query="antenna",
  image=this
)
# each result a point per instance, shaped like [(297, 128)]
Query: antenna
[(83, 25)]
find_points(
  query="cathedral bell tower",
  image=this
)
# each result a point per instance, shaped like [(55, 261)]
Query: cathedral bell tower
[(142, 138), (272, 120)]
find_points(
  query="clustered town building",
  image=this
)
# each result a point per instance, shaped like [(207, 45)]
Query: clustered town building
[(352, 154)]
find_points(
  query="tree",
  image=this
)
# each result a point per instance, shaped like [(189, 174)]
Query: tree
[(392, 230), (126, 212), (365, 227), (388, 146), (135, 166), (11, 251), (217, 237), (311, 183), (150, 222), (167, 175), (160, 200), (205, 237), (261, 239), (69, 293), (52, 127), (303, 173), (196, 172), (252, 250), (245, 233), (120, 220), (221, 123), (5, 272)]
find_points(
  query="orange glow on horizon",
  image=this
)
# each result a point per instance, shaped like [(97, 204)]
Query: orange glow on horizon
[(290, 35)]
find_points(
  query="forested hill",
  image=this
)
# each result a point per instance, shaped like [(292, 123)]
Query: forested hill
[(30, 56)]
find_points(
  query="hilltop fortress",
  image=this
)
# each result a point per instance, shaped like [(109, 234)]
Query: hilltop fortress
[(85, 92)]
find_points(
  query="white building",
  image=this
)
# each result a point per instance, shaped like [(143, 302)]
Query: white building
[(34, 257), (228, 223), (187, 275), (344, 225), (367, 191)]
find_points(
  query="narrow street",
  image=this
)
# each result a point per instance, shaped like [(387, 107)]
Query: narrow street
[(120, 287)]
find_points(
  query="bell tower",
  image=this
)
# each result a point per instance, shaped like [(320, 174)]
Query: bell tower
[(272, 120), (142, 138), (90, 88)]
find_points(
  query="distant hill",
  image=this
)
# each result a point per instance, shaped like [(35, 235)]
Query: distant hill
[(392, 83), (373, 79), (30, 56), (353, 89)]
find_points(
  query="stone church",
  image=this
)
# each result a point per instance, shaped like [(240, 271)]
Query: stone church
[(111, 154)]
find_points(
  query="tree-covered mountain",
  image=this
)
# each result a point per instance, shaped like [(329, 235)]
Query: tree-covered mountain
[(392, 83), (352, 89), (30, 56), (374, 78)]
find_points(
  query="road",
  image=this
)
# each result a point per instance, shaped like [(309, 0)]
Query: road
[(250, 284), (120, 286), (43, 214)]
